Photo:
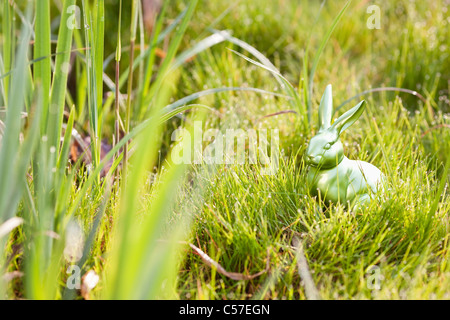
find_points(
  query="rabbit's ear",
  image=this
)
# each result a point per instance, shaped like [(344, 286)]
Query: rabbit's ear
[(326, 109), (348, 118)]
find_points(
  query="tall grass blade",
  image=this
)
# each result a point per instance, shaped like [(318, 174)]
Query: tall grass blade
[(171, 52), (382, 89), (134, 15), (194, 96), (14, 159), (99, 13), (42, 48), (127, 231), (91, 67), (267, 65), (140, 263), (156, 32), (10, 140), (8, 45), (319, 53), (59, 85)]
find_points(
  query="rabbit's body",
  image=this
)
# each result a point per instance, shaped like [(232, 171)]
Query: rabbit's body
[(337, 178), (343, 183)]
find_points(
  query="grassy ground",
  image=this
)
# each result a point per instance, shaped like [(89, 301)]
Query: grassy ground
[(137, 232)]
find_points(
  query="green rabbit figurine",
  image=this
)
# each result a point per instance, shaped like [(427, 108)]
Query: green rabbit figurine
[(337, 178)]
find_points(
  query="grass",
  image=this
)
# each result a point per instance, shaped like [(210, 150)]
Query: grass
[(158, 229), (244, 214)]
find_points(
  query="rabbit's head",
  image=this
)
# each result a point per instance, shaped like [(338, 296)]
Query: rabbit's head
[(325, 149)]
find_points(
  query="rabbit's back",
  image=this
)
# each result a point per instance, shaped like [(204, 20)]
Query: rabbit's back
[(362, 176), (350, 179)]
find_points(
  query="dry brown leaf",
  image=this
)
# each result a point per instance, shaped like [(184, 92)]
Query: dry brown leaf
[(311, 291), (80, 148), (12, 275), (232, 275), (151, 9), (9, 225)]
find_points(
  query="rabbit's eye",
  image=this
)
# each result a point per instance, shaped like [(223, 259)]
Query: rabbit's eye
[(327, 146)]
